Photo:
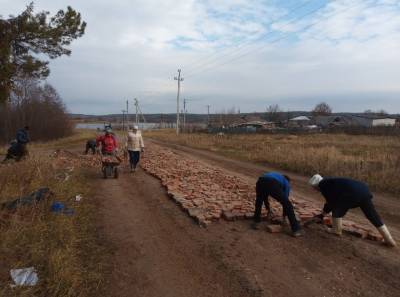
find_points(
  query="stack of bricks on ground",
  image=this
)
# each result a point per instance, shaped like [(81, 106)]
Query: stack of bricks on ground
[(208, 193)]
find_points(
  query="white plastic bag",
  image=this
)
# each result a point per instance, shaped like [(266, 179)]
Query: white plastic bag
[(24, 276)]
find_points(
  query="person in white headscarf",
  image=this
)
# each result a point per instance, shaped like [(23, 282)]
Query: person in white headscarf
[(342, 194), (135, 145)]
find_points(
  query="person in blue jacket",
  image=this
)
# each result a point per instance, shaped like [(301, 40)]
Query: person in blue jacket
[(22, 136), (277, 186), (341, 195), (18, 149)]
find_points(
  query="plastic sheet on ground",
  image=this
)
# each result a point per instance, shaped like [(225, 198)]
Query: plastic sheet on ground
[(24, 276), (35, 197)]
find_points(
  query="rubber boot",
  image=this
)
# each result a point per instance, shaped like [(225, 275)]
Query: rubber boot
[(336, 226), (383, 230)]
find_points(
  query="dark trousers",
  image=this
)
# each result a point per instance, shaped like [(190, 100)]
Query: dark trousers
[(270, 187), (90, 148), (367, 208), (134, 157), (16, 151)]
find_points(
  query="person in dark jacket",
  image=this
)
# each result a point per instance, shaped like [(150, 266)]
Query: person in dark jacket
[(22, 136), (277, 186), (91, 146), (342, 194), (17, 148)]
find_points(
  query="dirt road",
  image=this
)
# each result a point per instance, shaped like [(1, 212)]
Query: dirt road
[(160, 251)]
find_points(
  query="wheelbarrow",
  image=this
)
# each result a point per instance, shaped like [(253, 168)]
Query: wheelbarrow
[(110, 166)]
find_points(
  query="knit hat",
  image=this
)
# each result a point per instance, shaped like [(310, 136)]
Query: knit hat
[(315, 180), (135, 127)]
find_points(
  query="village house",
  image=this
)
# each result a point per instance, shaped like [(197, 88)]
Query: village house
[(299, 122), (365, 121)]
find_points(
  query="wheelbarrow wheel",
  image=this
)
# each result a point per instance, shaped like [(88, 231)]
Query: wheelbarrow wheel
[(109, 170), (104, 172)]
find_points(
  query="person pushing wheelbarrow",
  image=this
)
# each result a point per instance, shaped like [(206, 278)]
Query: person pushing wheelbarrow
[(109, 147)]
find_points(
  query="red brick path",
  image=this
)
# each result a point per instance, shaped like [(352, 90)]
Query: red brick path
[(208, 193)]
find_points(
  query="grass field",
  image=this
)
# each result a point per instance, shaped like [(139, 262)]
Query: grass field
[(373, 159), (65, 250)]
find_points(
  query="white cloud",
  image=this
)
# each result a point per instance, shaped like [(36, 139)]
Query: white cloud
[(133, 48)]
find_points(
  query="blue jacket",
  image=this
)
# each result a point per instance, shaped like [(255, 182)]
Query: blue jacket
[(282, 180), (22, 136)]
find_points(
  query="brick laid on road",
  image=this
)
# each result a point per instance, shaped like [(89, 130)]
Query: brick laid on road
[(209, 193)]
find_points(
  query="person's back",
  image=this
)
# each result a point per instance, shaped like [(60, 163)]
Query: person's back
[(134, 141), (343, 190), (108, 143), (22, 135), (91, 145), (283, 181)]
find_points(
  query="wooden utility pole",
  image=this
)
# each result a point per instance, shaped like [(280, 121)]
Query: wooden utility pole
[(184, 114), (127, 115), (123, 120), (137, 110), (179, 79), (208, 115)]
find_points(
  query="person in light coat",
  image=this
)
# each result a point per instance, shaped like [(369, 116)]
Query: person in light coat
[(134, 145)]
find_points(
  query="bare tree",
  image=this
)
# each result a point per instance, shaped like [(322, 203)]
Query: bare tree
[(38, 106), (322, 109), (273, 113), (380, 112)]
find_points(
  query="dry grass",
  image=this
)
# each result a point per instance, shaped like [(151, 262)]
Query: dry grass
[(64, 249), (373, 159), (79, 137)]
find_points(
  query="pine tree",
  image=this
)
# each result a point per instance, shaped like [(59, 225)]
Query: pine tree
[(24, 37)]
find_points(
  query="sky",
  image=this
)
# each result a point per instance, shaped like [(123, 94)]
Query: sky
[(242, 54)]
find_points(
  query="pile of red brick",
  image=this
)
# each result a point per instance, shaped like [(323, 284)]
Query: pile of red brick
[(70, 159), (208, 193)]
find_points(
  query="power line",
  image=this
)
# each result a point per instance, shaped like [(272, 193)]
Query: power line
[(264, 45), (238, 50), (249, 41)]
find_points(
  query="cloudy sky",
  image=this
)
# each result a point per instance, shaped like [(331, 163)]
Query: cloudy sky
[(245, 54)]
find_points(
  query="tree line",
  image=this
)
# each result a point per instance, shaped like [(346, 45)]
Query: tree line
[(27, 41)]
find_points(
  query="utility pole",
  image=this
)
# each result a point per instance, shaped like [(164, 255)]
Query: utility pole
[(208, 115), (137, 110), (123, 120), (184, 113), (179, 79), (127, 115)]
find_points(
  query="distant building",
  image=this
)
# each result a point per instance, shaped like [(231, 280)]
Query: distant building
[(388, 122), (352, 121), (251, 123), (299, 122)]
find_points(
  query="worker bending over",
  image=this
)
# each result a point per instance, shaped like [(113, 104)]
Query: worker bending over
[(342, 194), (277, 186)]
